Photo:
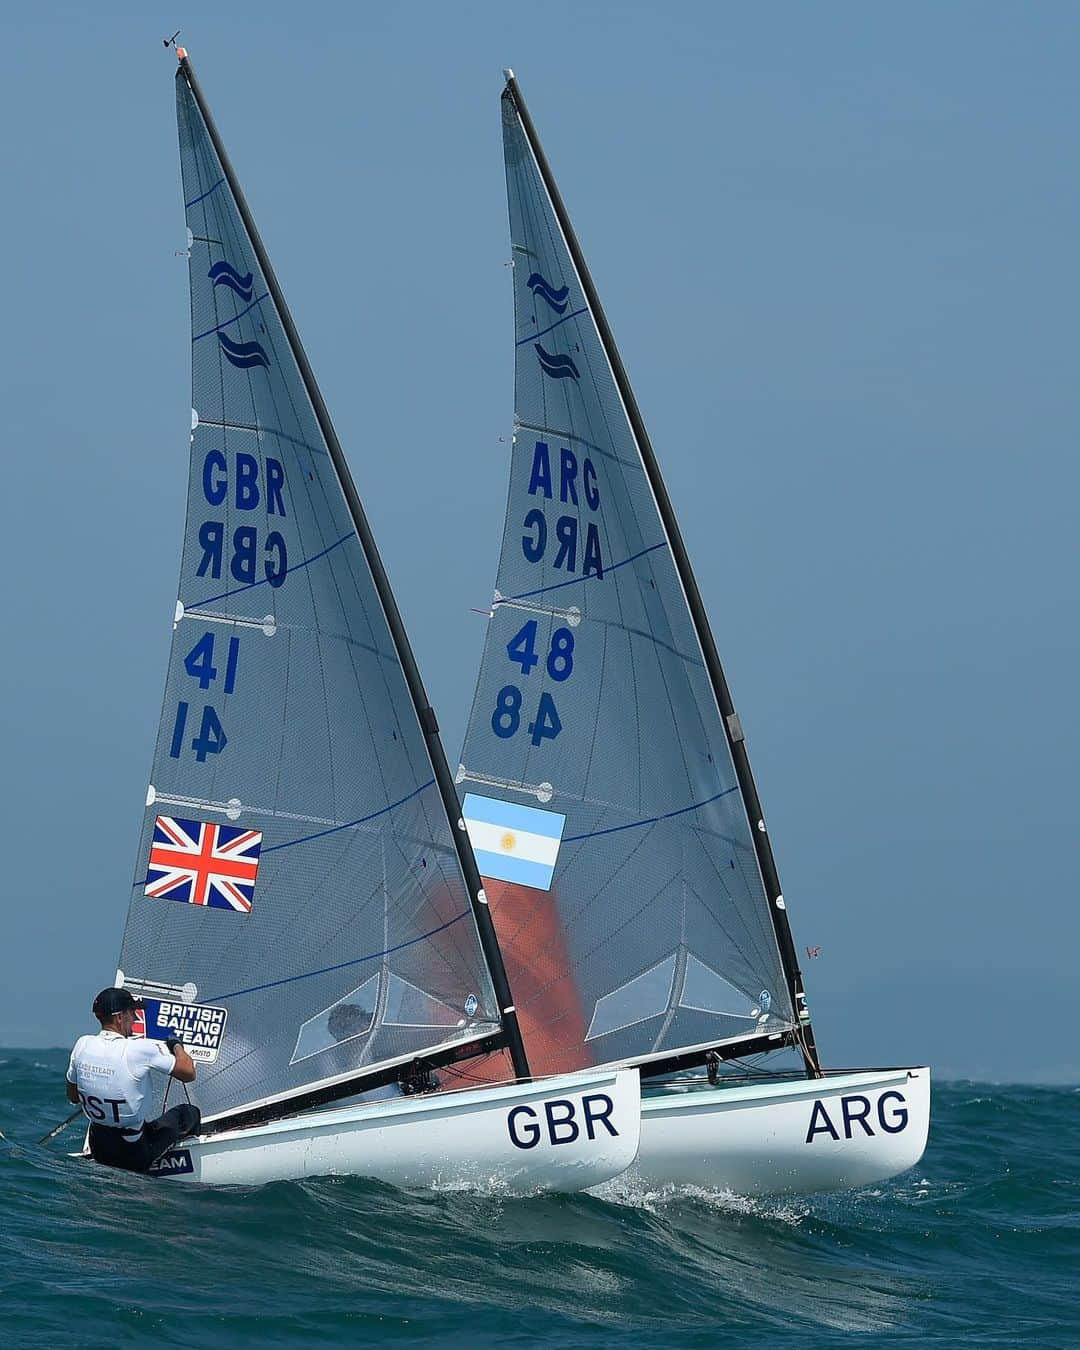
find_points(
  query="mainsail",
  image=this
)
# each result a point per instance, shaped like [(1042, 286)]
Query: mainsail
[(306, 906), (604, 776)]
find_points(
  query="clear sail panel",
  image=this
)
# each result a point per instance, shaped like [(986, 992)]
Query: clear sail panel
[(644, 929), (296, 867)]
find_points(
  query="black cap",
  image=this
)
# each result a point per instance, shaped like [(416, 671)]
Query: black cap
[(112, 1001)]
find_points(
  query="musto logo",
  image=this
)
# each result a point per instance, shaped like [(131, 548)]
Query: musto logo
[(561, 1120), (890, 1117)]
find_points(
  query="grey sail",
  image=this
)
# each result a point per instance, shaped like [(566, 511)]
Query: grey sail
[(300, 907), (597, 777)]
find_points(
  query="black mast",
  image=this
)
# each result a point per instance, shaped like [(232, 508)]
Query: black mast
[(424, 711), (732, 726)]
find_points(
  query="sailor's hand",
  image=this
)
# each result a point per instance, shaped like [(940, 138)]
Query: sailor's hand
[(173, 1042)]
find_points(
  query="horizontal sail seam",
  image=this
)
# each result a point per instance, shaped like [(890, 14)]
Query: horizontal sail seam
[(578, 440), (333, 829), (196, 200), (649, 637), (351, 824), (652, 820), (225, 322), (531, 337), (557, 585), (250, 586), (344, 965), (263, 431)]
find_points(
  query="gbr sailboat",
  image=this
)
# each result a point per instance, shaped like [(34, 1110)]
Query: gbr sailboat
[(307, 915), (606, 784)]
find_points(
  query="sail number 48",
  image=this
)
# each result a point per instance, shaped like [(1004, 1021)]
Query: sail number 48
[(521, 649)]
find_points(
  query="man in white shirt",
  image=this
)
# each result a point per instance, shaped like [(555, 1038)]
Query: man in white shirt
[(108, 1076)]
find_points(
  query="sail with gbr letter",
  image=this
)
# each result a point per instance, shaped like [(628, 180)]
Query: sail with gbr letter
[(598, 777), (299, 905)]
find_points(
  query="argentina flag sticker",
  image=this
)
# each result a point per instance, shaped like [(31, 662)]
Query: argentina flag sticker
[(513, 843)]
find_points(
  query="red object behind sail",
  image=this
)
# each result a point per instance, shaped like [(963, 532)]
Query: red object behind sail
[(537, 962), (538, 966)]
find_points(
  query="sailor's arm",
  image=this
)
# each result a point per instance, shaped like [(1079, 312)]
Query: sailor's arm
[(69, 1080), (184, 1066)]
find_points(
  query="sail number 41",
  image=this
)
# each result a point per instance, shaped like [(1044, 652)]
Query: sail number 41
[(210, 739), (521, 649)]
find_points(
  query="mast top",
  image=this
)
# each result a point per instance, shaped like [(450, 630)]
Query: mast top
[(181, 53), (508, 74)]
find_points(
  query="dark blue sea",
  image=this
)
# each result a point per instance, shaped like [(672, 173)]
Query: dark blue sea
[(979, 1245)]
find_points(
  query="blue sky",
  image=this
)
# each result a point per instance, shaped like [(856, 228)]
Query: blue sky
[(837, 247)]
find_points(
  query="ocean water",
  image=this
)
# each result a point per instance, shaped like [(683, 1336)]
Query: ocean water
[(979, 1245)]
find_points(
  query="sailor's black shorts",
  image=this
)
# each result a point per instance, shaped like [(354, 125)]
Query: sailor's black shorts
[(109, 1146)]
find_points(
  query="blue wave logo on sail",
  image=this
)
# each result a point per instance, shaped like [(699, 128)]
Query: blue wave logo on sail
[(225, 274), (558, 367), (243, 354), (557, 299)]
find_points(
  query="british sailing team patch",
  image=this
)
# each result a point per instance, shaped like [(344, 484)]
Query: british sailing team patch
[(200, 863), (198, 1026)]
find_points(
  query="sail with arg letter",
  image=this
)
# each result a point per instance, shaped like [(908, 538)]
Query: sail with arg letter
[(654, 935)]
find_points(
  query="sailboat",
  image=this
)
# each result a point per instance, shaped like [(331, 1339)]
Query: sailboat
[(607, 789), (307, 915)]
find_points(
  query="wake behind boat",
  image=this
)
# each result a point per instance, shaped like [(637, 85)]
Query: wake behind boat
[(308, 919), (606, 784)]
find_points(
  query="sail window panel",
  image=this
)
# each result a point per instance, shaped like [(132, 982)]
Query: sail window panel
[(348, 1017), (705, 990), (645, 996), (409, 1006), (692, 1027)]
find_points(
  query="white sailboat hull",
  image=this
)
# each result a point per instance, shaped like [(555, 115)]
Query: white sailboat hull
[(558, 1134), (830, 1133)]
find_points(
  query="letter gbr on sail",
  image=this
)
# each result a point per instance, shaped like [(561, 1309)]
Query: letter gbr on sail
[(298, 874)]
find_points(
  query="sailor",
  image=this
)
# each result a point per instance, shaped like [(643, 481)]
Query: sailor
[(108, 1076)]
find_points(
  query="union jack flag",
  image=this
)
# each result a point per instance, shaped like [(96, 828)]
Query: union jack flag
[(198, 863)]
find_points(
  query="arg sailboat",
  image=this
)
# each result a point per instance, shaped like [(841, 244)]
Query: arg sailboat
[(307, 915), (606, 784)]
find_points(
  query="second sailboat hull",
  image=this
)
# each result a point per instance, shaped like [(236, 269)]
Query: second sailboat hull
[(788, 1137)]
